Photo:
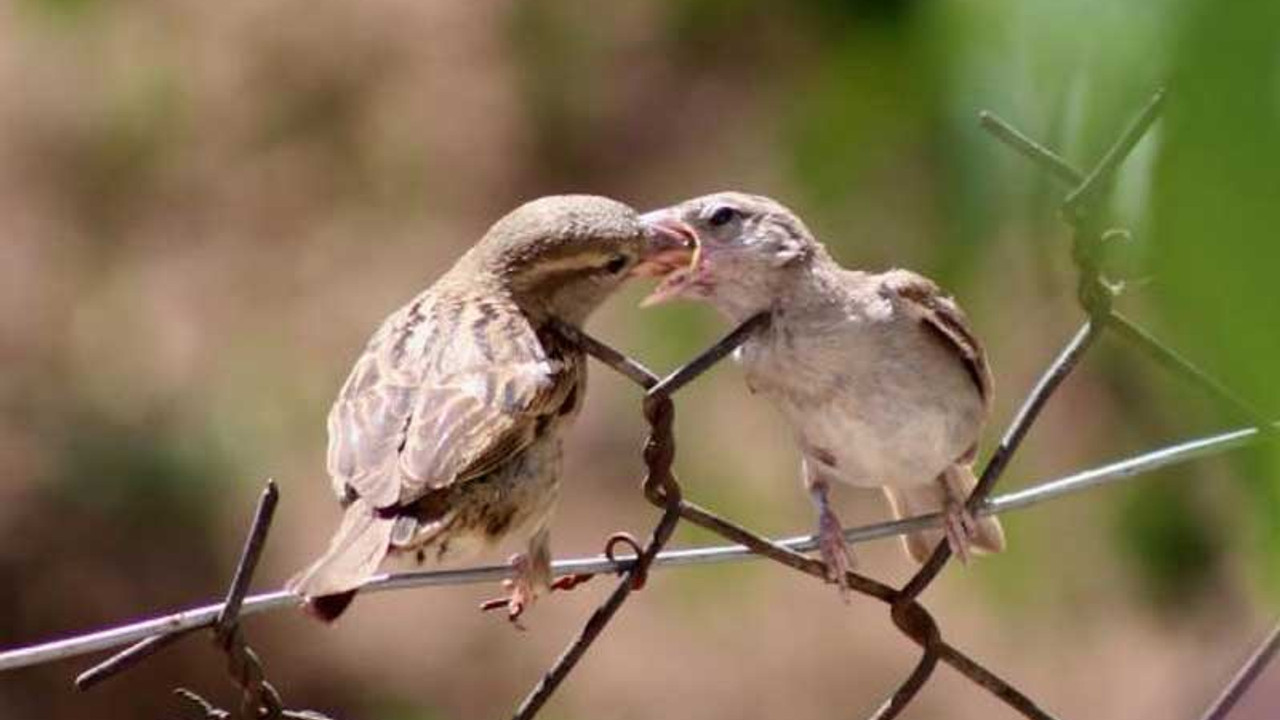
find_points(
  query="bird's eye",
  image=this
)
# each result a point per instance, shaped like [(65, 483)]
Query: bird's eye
[(723, 215), (616, 264)]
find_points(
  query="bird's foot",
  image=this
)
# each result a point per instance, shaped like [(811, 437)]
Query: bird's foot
[(520, 592), (835, 551), (960, 527)]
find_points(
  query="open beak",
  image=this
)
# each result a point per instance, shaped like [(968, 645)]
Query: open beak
[(673, 252), (671, 245)]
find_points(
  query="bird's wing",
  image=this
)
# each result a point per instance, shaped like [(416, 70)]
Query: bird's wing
[(446, 391), (940, 315)]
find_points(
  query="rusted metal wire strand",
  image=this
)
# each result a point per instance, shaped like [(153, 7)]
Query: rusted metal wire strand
[(259, 699), (1094, 295), (1096, 301), (908, 615), (660, 486), (672, 383), (1100, 177), (147, 647), (1130, 331), (1007, 693), (249, 556), (1245, 676), (914, 622), (210, 712), (1047, 159), (880, 591), (659, 454), (1037, 492), (127, 658), (764, 547), (1184, 368)]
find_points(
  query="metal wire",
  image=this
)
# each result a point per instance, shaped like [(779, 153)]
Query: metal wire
[(1037, 492)]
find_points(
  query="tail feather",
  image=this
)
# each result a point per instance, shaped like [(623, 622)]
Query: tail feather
[(354, 554), (957, 481)]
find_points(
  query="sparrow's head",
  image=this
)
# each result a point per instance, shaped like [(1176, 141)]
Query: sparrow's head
[(562, 255), (747, 249)]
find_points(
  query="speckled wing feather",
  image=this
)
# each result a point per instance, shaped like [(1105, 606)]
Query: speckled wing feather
[(448, 388), (941, 315)]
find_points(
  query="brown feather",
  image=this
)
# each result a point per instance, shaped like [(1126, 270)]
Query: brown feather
[(445, 425), (941, 316)]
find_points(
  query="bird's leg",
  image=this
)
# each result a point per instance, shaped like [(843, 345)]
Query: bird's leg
[(957, 522), (520, 591), (831, 542), (532, 574)]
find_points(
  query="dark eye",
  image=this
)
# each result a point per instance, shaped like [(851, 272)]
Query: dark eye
[(616, 264), (723, 215)]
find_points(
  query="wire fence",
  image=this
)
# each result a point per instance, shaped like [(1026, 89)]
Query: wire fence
[(1090, 238)]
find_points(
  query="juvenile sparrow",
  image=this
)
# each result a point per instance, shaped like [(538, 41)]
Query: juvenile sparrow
[(880, 377), (445, 437)]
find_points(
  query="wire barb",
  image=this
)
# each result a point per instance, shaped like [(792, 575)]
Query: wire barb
[(1037, 153), (1101, 175), (1038, 491)]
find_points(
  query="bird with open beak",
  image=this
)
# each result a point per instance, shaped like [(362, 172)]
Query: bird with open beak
[(445, 438), (878, 374)]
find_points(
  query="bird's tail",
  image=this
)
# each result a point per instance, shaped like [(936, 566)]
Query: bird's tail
[(957, 481), (330, 583)]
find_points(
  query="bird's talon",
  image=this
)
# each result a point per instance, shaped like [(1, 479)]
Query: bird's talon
[(835, 552), (515, 609), (960, 528), (520, 592)]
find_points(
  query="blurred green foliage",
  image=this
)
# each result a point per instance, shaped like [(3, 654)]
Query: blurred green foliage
[(1177, 551), (1216, 207)]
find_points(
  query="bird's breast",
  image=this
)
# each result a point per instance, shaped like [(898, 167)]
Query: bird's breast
[(859, 405)]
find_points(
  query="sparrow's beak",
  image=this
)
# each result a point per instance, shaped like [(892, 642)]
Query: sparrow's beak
[(674, 250), (670, 245)]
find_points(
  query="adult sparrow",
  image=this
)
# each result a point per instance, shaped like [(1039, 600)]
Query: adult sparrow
[(446, 436), (879, 375)]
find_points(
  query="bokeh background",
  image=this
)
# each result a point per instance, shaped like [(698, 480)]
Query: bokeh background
[(205, 208)]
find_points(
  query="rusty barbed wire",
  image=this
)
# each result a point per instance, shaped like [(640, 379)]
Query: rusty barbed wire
[(1095, 293), (1037, 492), (1244, 678), (259, 698)]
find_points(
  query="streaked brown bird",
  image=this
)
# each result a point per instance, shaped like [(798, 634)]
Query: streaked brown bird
[(445, 438), (879, 375)]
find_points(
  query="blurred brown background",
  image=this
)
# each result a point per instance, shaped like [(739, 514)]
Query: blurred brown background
[(205, 208)]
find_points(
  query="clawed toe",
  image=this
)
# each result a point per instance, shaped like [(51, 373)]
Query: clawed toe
[(515, 608), (960, 528), (835, 551), (520, 593), (518, 599)]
